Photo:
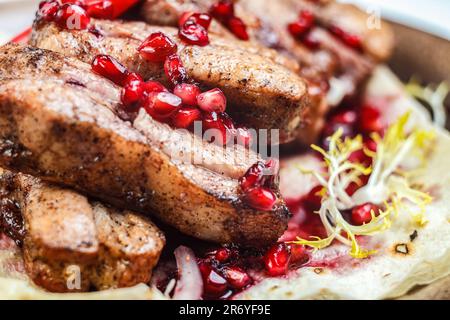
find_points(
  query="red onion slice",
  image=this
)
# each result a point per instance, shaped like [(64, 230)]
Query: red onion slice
[(190, 284)]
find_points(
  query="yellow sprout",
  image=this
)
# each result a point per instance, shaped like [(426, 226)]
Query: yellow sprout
[(387, 185)]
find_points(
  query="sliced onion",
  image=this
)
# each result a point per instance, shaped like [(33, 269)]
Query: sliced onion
[(190, 284)]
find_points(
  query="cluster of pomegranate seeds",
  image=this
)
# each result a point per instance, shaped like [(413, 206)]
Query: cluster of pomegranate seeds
[(68, 15), (364, 120), (132, 93), (222, 276), (181, 108), (351, 40), (48, 9), (224, 12), (277, 259), (258, 185), (202, 19), (75, 15), (301, 28), (363, 214)]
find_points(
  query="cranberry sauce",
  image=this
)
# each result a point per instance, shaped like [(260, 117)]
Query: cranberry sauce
[(77, 14)]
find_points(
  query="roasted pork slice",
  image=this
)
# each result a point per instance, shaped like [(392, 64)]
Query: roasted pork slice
[(377, 38), (71, 243), (324, 57), (331, 65), (59, 121), (169, 12), (261, 94)]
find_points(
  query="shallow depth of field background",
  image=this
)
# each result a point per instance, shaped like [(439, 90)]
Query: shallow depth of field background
[(427, 15)]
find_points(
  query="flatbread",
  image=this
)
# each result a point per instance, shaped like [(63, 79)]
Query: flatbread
[(401, 263)]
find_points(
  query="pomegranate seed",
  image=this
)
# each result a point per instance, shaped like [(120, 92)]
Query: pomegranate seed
[(313, 199), (253, 177), (272, 170), (359, 156), (45, 2), (345, 120), (188, 93), (237, 277), (354, 186), (277, 260), (213, 283), (370, 145), (72, 17), (131, 96), (347, 117), (48, 10), (298, 253), (162, 105), (154, 86), (362, 214), (223, 10), (297, 29), (243, 136), (307, 17), (184, 18), (101, 9), (157, 47), (216, 128), (175, 70), (238, 28), (212, 101), (132, 92), (370, 120), (222, 255), (110, 68), (202, 19), (304, 23), (193, 33), (350, 40), (185, 117), (260, 199), (353, 41)]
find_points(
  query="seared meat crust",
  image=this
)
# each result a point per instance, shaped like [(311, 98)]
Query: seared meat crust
[(65, 233), (261, 93), (58, 121)]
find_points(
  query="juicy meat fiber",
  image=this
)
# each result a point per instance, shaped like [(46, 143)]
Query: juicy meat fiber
[(58, 121), (66, 232)]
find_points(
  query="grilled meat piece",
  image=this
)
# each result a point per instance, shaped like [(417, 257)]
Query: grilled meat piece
[(261, 94), (65, 233), (59, 121), (342, 67)]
